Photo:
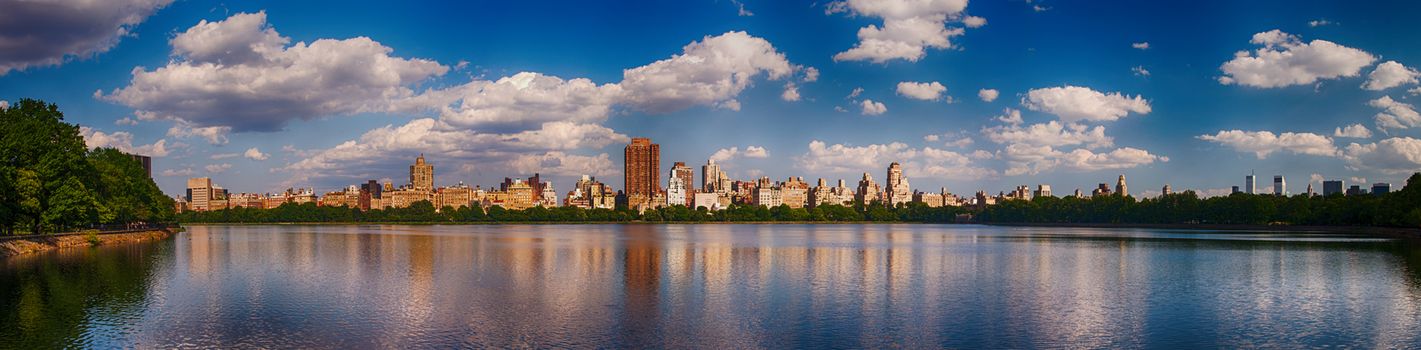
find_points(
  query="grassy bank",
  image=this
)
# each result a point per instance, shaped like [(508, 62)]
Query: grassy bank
[(34, 244)]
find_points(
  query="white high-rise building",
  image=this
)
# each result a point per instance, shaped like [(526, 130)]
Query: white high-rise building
[(1280, 186), (677, 191), (1248, 185)]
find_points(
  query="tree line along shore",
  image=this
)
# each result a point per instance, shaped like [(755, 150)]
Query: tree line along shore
[(51, 182), (1400, 209)]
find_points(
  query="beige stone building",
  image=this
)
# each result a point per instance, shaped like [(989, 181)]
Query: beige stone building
[(199, 193), (588, 193), (766, 194), (404, 197), (456, 196), (868, 191), (795, 192), (898, 192), (422, 175), (519, 196), (826, 195)]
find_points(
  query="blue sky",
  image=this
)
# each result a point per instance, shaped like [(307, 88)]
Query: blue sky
[(268, 95)]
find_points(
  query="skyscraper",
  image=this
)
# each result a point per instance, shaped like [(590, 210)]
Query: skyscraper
[(539, 186), (688, 179), (643, 177), (1280, 186), (897, 191), (144, 161), (1331, 187), (422, 175), (1120, 188), (710, 176), (199, 193), (677, 193), (1381, 188), (1166, 190), (868, 191), (1248, 184)]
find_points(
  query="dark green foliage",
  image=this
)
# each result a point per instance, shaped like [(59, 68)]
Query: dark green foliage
[(1397, 209), (51, 182)]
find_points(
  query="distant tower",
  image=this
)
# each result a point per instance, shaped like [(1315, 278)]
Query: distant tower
[(1078, 193), (1166, 191), (868, 191), (1248, 184), (1120, 188), (643, 170), (422, 175), (897, 191), (1042, 190), (1280, 186), (710, 177), (1310, 192)]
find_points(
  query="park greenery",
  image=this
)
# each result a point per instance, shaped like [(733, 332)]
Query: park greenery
[(50, 181), (1397, 209)]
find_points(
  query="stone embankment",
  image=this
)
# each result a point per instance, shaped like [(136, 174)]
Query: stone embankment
[(11, 246)]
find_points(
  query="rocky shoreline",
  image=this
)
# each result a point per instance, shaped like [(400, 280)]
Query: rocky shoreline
[(28, 245)]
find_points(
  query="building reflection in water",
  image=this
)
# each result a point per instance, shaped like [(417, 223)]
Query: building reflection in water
[(719, 286)]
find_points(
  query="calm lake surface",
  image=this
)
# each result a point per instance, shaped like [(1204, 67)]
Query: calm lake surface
[(716, 286)]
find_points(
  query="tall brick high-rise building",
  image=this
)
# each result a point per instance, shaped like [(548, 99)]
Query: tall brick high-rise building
[(643, 174), (422, 175)]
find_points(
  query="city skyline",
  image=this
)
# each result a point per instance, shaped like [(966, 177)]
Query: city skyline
[(995, 96), (642, 190)]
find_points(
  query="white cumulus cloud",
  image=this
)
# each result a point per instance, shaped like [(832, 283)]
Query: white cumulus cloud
[(987, 95), (1397, 155), (708, 72), (1052, 133), (727, 154), (1075, 103), (255, 154), (1025, 159), (1264, 143), (869, 107), (217, 168), (1395, 114), (239, 73), (1285, 60), (909, 28), (1390, 74), (122, 141), (929, 91), (791, 93), (1353, 131)]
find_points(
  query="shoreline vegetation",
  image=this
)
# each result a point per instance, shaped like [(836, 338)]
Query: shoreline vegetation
[(51, 182), (14, 246)]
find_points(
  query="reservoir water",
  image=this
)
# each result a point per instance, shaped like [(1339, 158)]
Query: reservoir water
[(716, 286)]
